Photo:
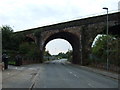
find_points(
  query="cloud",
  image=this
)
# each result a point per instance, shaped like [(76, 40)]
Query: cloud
[(35, 13)]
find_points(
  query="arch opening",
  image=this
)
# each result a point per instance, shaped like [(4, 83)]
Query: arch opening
[(72, 39), (58, 49), (59, 46)]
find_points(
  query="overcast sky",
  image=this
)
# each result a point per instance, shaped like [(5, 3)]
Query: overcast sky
[(119, 6), (58, 45), (26, 14)]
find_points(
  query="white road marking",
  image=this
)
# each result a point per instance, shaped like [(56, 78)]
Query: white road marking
[(90, 85), (70, 72), (73, 74), (76, 75)]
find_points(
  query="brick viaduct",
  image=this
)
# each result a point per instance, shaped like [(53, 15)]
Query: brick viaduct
[(79, 33)]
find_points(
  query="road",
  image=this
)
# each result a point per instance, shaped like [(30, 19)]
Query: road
[(54, 74)]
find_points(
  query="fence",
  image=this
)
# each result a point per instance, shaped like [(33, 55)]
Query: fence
[(103, 66)]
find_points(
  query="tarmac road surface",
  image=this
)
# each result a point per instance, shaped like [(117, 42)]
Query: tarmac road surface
[(54, 74)]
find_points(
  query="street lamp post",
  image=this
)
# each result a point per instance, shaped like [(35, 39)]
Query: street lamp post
[(107, 36)]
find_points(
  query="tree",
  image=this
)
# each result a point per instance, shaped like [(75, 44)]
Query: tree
[(29, 50), (24, 48), (17, 39), (37, 33), (7, 32), (69, 55), (46, 53), (99, 50)]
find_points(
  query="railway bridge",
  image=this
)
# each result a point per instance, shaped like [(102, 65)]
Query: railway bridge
[(79, 33)]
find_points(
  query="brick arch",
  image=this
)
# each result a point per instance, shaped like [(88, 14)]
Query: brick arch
[(72, 39)]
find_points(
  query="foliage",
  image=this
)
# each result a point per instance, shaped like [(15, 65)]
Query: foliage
[(69, 55), (62, 55), (24, 48), (99, 50), (10, 40), (46, 53), (12, 62), (7, 32), (29, 50), (17, 40), (38, 32)]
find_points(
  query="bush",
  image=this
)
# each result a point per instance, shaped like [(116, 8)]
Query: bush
[(29, 50)]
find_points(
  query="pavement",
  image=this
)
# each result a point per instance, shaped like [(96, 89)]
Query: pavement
[(19, 76)]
